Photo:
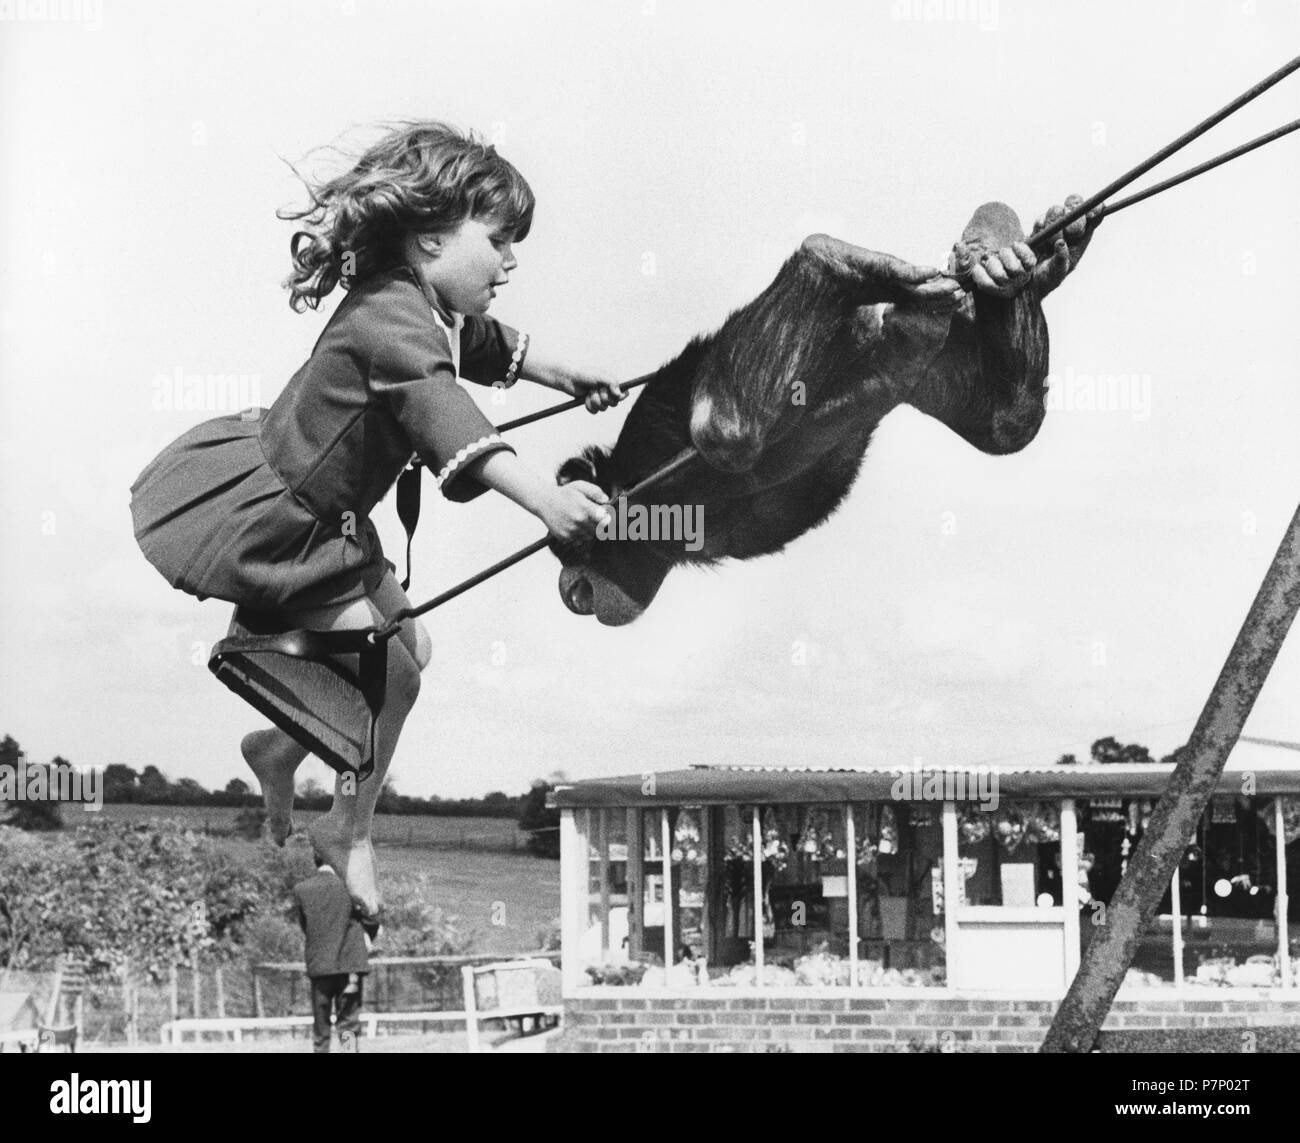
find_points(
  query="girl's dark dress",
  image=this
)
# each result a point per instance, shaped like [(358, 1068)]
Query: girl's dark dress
[(269, 508)]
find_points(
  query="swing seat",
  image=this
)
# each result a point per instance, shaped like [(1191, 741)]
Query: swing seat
[(325, 689)]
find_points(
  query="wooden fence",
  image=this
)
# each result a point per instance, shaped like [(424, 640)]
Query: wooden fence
[(136, 1011)]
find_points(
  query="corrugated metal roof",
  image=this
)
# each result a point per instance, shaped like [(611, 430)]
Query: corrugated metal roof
[(1275, 768), (1248, 754)]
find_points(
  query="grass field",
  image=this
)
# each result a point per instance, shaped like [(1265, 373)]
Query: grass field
[(389, 829), (505, 898)]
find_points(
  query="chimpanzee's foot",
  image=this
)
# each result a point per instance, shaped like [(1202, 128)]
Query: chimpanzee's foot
[(274, 757), (354, 861)]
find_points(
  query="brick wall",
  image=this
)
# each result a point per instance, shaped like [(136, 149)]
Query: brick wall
[(619, 1020)]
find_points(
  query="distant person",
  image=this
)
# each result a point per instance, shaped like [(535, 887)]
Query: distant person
[(337, 955)]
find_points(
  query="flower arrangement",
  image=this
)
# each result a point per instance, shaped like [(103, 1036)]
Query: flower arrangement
[(1290, 818), (1012, 824), (1045, 822), (746, 976), (888, 843), (1010, 829), (821, 969), (686, 840), (867, 851), (776, 852), (973, 825), (617, 974), (817, 841)]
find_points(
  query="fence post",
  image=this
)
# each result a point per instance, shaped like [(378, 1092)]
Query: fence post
[(128, 1003), (174, 999), (220, 985), (258, 1004)]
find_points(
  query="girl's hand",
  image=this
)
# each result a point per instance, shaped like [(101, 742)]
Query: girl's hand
[(599, 393), (574, 511)]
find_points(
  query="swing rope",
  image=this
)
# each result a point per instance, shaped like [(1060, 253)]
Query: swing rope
[(395, 622), (1041, 236), (1138, 196)]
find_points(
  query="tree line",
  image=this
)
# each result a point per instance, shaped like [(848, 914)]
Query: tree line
[(124, 785)]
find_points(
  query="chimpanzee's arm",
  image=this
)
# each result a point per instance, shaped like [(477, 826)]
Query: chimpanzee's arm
[(770, 358)]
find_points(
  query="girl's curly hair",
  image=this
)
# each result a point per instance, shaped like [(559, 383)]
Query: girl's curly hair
[(422, 176)]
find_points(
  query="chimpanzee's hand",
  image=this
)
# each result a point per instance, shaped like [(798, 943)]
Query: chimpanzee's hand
[(917, 287), (1003, 272), (1068, 245), (872, 277)]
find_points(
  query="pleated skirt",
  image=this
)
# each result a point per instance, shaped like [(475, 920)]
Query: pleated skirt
[(218, 522)]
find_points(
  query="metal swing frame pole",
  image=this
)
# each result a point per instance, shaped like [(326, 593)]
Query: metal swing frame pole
[(1078, 1021)]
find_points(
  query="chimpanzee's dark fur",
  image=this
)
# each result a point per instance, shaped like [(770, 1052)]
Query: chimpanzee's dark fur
[(795, 384)]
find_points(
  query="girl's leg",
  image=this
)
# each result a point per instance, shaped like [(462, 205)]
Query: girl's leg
[(342, 836), (347, 827), (274, 757)]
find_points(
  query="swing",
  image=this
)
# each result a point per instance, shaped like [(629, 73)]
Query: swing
[(326, 689)]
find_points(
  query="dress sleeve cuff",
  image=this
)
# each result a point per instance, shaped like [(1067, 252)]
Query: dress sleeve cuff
[(491, 352), (516, 361), (449, 477)]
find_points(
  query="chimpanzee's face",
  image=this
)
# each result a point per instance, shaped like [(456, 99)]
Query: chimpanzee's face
[(615, 580)]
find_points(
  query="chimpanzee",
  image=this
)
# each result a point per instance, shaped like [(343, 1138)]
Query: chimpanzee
[(781, 402)]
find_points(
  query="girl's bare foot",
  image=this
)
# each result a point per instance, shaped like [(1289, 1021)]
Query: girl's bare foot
[(274, 757), (354, 861)]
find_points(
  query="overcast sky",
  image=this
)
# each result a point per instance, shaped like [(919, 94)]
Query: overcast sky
[(958, 608)]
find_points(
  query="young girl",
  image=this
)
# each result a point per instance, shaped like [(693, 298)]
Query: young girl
[(269, 509)]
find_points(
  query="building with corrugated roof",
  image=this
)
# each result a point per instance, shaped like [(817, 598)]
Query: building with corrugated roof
[(969, 890)]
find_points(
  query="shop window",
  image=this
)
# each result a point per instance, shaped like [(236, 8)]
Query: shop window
[(605, 944), (1227, 892), (689, 833), (1109, 831), (731, 937), (807, 895), (1010, 856), (1228, 880), (899, 864)]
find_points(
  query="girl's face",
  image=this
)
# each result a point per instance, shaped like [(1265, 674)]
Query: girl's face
[(466, 265)]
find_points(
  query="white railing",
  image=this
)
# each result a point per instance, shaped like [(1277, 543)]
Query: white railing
[(27, 1039), (176, 1032)]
